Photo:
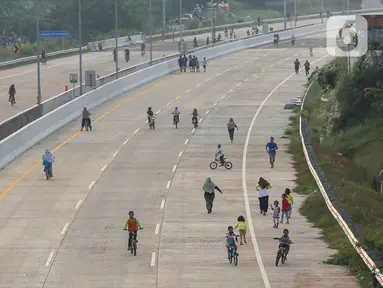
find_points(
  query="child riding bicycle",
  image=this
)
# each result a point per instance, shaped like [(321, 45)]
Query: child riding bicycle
[(231, 239), (285, 241), (221, 154), (133, 225)]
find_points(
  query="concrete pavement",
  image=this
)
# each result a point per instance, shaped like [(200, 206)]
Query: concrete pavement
[(55, 75), (67, 232)]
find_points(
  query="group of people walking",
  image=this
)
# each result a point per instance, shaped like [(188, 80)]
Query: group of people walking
[(192, 62)]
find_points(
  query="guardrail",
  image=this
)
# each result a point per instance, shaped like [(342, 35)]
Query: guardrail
[(64, 53), (31, 59), (328, 194), (17, 143)]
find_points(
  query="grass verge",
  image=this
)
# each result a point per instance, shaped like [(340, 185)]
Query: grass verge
[(351, 193)]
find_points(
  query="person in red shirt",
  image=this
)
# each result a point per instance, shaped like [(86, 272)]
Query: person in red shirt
[(285, 208), (133, 225)]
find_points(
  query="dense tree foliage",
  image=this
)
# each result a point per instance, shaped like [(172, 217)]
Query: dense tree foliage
[(18, 17)]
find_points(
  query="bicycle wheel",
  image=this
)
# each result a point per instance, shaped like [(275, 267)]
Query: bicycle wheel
[(278, 257), (228, 165), (176, 124), (235, 259), (134, 248), (284, 256), (213, 165), (46, 173), (230, 257)]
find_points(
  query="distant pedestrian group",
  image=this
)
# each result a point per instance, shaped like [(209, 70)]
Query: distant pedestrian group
[(192, 62)]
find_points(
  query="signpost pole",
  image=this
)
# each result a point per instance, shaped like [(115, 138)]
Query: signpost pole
[(180, 25), (38, 57), (285, 13), (80, 38), (150, 32), (116, 24)]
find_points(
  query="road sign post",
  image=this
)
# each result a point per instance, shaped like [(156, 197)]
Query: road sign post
[(73, 78)]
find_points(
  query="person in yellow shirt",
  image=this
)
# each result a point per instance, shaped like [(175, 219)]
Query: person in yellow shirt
[(241, 226), (290, 199)]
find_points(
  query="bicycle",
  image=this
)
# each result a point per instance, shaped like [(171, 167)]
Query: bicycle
[(282, 252), (48, 175), (176, 120), (233, 255), (87, 126), (133, 244), (13, 99), (195, 122), (214, 164), (152, 123)]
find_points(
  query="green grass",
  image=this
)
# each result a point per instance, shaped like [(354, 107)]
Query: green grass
[(348, 178)]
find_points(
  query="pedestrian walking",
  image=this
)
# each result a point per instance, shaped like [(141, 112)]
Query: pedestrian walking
[(12, 93), (285, 208), (241, 226), (276, 211), (290, 199), (204, 64), (230, 127), (208, 188), (263, 195), (271, 149)]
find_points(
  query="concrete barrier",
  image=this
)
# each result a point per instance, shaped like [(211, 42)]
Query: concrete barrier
[(22, 140)]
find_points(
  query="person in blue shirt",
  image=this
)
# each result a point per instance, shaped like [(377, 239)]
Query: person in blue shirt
[(221, 154), (271, 149)]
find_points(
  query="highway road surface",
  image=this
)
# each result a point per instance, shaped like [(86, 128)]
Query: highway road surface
[(68, 232), (55, 75)]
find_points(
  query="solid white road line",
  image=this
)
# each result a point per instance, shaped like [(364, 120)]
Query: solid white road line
[(174, 168), (157, 230), (186, 141), (50, 257), (162, 204), (200, 120), (78, 204), (153, 262), (64, 229), (168, 184), (91, 184), (244, 184), (180, 154)]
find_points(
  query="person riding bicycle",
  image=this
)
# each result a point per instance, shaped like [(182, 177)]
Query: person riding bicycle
[(311, 51), (231, 239), (195, 114), (48, 160), (221, 154), (176, 113), (127, 54), (85, 117), (150, 113), (285, 241), (133, 225)]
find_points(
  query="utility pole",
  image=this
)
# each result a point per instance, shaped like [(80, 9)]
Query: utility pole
[(116, 27), (285, 12), (164, 16), (181, 26), (295, 13), (321, 10), (212, 23), (37, 3), (150, 31), (80, 40)]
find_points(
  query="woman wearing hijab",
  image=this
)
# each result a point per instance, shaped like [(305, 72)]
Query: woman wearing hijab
[(263, 195), (208, 188), (231, 126), (48, 160)]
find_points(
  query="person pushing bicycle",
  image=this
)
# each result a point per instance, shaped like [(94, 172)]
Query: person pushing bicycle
[(133, 225), (231, 239), (285, 241)]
